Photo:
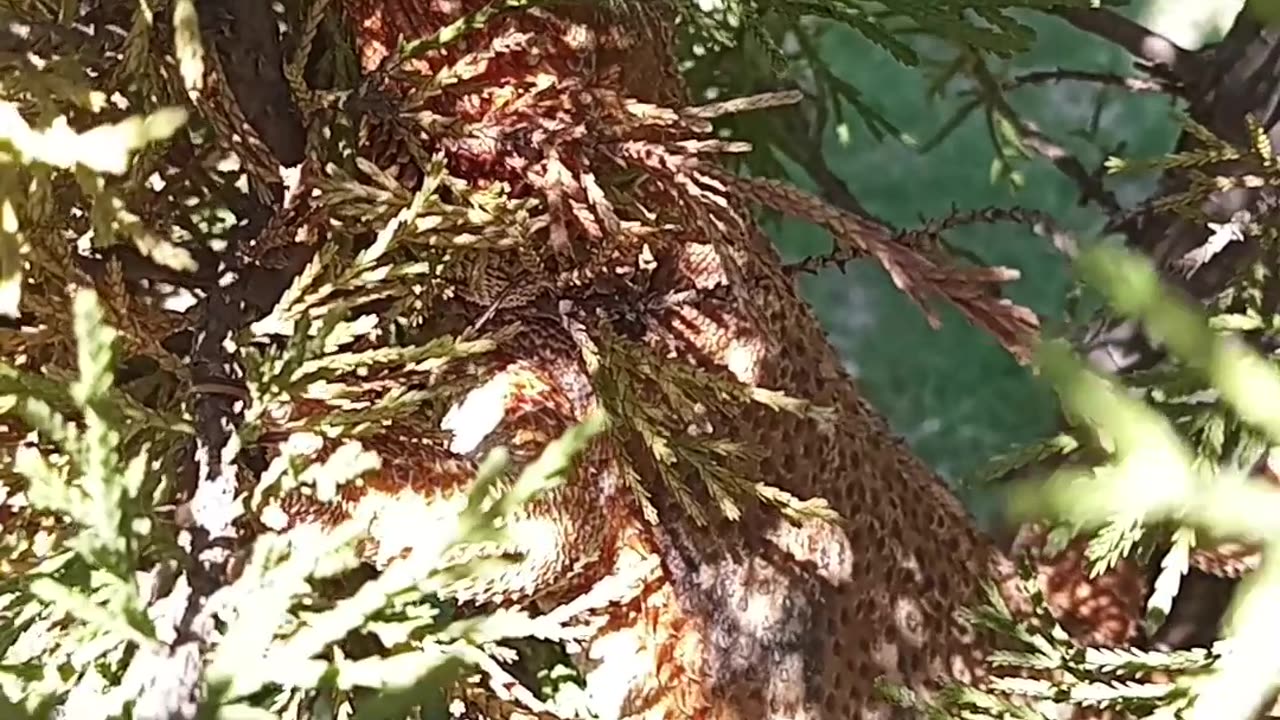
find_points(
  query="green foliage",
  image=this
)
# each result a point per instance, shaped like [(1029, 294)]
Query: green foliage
[(1152, 476), (1224, 503), (81, 614), (1045, 673), (1221, 439), (281, 619), (658, 401), (745, 26), (924, 379), (92, 467), (1205, 168), (95, 418), (86, 461), (80, 605), (739, 46)]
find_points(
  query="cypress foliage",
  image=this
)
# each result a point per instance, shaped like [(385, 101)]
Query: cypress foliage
[(122, 207)]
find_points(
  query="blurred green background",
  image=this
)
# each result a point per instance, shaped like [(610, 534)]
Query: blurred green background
[(954, 395)]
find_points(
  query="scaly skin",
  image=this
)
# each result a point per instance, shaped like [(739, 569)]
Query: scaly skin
[(749, 619)]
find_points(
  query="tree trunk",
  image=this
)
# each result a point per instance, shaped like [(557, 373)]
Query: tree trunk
[(749, 619), (790, 622)]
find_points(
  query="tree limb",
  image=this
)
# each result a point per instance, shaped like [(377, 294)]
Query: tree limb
[(1132, 84), (1090, 184), (169, 682), (1141, 42)]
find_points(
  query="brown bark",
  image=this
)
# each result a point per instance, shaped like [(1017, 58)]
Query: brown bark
[(825, 641), (773, 619)]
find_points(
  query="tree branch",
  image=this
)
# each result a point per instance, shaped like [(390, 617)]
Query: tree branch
[(1141, 42), (1132, 84), (1090, 184), (169, 681), (804, 147)]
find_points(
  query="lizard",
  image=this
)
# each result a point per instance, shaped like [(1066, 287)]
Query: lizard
[(754, 616)]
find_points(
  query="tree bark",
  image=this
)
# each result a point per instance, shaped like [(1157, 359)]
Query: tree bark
[(170, 681), (788, 621)]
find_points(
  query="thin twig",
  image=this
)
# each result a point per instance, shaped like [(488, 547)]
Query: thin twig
[(930, 235), (1128, 82), (805, 148), (1090, 184), (174, 690)]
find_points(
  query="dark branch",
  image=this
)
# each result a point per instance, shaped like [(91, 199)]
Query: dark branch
[(1157, 50), (800, 138), (1132, 84), (1089, 183), (170, 680), (931, 235)]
